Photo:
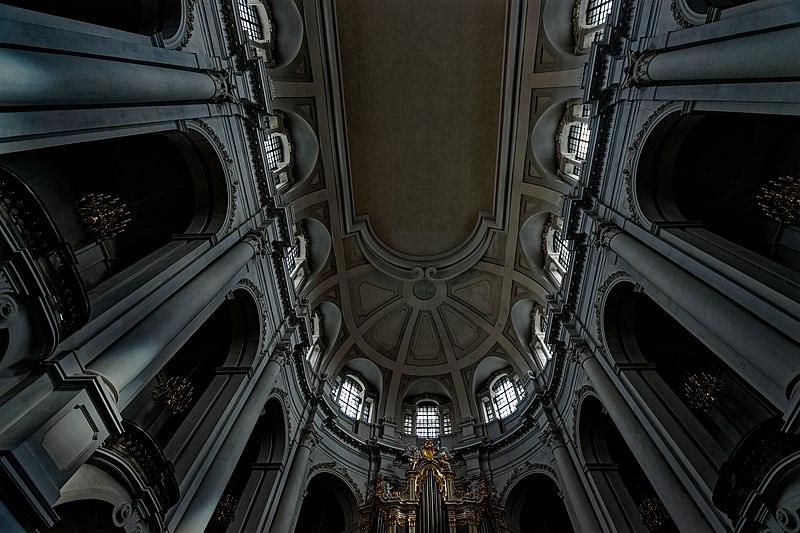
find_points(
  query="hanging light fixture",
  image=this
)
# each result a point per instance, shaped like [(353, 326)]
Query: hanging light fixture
[(225, 513), (653, 514), (175, 394), (704, 391), (104, 216), (780, 199)]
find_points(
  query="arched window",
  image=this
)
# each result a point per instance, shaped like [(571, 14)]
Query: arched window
[(573, 140), (539, 347), (590, 18), (502, 396), (278, 150), (557, 252), (297, 256), (258, 27), (353, 397)]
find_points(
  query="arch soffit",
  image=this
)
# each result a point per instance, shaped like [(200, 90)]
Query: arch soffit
[(331, 325), (290, 31), (337, 479), (543, 138), (601, 300), (522, 474), (278, 425), (530, 238), (248, 321), (369, 371), (319, 247), (488, 366), (582, 426), (305, 147), (558, 25)]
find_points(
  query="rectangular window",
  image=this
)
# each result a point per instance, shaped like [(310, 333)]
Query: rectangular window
[(291, 255), (350, 398), (505, 399), (561, 249), (578, 140), (520, 389), (274, 152), (487, 408), (367, 411), (408, 424), (250, 21), (427, 421), (598, 11), (447, 423)]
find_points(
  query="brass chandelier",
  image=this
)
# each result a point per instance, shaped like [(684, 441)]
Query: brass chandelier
[(780, 199), (104, 216), (653, 514), (704, 391), (175, 394)]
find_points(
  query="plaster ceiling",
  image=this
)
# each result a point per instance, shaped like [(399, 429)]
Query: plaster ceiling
[(422, 85)]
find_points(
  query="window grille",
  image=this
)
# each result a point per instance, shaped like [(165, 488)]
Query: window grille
[(367, 411), (251, 24), (447, 423), (274, 152), (578, 140), (350, 397), (560, 247), (505, 399), (408, 424), (427, 421), (586, 110), (598, 11), (520, 390), (291, 256), (487, 407)]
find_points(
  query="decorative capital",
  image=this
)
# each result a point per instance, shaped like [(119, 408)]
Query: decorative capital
[(604, 233), (552, 436), (257, 238), (223, 86), (636, 73), (309, 438), (579, 353)]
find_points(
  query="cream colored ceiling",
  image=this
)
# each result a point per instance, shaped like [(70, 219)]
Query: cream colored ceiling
[(413, 82), (422, 84)]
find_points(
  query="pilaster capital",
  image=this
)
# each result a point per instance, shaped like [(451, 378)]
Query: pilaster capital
[(604, 232), (636, 71), (224, 90), (580, 352), (552, 436), (257, 238), (309, 438)]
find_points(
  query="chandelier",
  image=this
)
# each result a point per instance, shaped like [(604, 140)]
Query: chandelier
[(704, 391), (653, 514), (225, 513), (175, 394), (104, 216), (780, 200)]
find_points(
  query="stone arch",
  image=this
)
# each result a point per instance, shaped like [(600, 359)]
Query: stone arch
[(538, 490), (683, 178), (558, 26), (543, 137), (329, 499), (320, 245)]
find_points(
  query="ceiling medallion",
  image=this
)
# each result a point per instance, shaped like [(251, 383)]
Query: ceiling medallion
[(424, 293)]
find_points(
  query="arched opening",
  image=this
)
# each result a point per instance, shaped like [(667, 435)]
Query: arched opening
[(85, 515), (250, 491), (145, 17), (709, 171), (182, 405), (117, 201), (620, 483), (535, 506), (678, 376), (329, 507)]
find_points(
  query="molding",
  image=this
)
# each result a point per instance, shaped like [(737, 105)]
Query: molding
[(520, 472)]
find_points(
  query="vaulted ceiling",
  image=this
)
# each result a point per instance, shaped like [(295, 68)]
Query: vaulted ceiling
[(429, 178)]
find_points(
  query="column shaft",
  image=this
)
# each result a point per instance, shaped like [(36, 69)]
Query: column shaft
[(770, 55), (201, 509), (38, 78), (126, 359), (761, 355), (584, 513), (292, 497), (680, 504)]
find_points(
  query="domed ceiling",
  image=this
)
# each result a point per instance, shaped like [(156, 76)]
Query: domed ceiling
[(432, 183)]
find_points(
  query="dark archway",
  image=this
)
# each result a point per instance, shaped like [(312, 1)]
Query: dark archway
[(329, 506), (85, 515), (535, 506), (707, 171), (619, 481), (145, 17), (171, 184)]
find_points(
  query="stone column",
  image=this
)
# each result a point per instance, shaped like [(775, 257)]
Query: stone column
[(682, 508), (761, 355), (292, 497), (201, 509), (576, 493), (771, 55), (126, 360), (37, 78)]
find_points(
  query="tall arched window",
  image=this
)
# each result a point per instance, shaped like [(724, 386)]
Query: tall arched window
[(503, 395), (258, 27), (557, 252), (573, 140), (278, 150), (353, 397), (590, 18)]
